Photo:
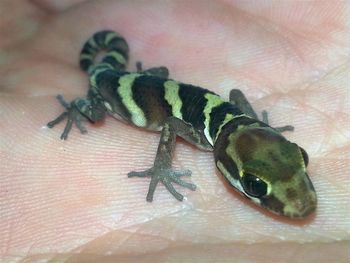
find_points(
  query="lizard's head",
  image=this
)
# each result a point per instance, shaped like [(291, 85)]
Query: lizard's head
[(266, 168)]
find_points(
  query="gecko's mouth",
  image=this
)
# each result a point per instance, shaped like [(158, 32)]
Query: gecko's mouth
[(297, 209), (303, 207)]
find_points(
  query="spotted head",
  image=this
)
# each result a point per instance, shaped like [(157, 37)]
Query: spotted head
[(267, 168)]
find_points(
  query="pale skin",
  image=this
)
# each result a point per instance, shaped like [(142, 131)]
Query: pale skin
[(72, 201)]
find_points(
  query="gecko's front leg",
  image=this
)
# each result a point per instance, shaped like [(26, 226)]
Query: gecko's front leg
[(162, 170), (77, 110), (237, 97)]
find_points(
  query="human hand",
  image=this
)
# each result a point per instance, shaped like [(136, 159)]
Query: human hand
[(72, 201)]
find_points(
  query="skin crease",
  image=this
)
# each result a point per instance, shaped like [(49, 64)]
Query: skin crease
[(71, 200)]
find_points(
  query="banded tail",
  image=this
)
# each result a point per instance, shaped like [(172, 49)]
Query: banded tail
[(117, 51)]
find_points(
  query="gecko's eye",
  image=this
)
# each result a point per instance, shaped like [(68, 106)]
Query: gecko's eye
[(254, 186), (305, 156)]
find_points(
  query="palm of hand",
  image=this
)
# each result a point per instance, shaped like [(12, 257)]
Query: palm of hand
[(75, 195)]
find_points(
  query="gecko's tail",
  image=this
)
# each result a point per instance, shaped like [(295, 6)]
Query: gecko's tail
[(117, 51)]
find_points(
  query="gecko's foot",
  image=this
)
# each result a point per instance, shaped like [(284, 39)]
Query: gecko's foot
[(280, 129), (167, 177), (72, 114), (284, 128), (161, 71)]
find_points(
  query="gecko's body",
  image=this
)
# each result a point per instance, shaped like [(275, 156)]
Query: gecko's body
[(254, 157)]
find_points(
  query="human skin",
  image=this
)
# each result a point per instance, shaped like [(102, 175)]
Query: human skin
[(71, 200)]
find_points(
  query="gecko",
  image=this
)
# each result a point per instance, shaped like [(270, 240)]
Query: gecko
[(254, 158)]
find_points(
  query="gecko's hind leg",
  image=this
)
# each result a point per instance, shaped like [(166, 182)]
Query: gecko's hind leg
[(162, 71)]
